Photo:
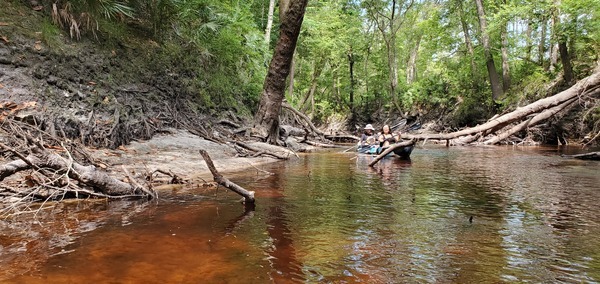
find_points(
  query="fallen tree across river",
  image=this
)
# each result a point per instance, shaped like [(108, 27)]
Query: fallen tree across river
[(501, 127)]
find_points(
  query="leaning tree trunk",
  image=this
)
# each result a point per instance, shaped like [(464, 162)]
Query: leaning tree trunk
[(266, 120)]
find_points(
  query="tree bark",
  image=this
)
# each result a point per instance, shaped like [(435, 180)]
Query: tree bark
[(283, 7), (497, 92), (291, 78), (266, 120)]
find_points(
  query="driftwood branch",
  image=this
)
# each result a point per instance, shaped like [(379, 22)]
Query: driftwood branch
[(586, 156), (390, 149), (262, 150), (248, 195)]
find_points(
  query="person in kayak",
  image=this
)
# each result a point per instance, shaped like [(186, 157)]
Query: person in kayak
[(387, 137)]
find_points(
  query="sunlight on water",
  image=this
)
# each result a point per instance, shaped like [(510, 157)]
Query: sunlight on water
[(451, 215)]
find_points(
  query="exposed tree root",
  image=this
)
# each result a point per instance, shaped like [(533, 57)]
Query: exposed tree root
[(54, 172)]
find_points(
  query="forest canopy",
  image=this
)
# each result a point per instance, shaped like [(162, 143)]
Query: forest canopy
[(361, 59)]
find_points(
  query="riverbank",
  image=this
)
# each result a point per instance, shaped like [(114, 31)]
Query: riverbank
[(178, 153)]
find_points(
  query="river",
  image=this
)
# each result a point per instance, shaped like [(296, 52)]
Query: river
[(450, 215)]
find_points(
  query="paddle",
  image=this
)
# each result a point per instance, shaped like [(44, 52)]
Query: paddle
[(400, 124)]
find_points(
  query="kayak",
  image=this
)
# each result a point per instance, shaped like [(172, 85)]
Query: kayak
[(402, 152)]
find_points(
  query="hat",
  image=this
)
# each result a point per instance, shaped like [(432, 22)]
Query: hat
[(369, 127)]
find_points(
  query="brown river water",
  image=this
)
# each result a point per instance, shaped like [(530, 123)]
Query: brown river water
[(451, 215)]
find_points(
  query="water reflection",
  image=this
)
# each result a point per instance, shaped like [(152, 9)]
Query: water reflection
[(451, 215)]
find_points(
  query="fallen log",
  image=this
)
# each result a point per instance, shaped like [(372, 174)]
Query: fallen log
[(266, 149), (89, 176), (534, 120), (587, 156), (248, 195), (342, 137), (586, 86), (322, 145), (390, 149)]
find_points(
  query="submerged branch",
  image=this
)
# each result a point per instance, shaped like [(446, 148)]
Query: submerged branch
[(248, 195)]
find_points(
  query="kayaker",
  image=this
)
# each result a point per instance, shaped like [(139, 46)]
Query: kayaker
[(386, 137), (368, 137)]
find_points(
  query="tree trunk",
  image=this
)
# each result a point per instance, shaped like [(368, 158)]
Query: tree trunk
[(505, 65), (351, 102), (390, 149), (266, 120), (283, 6), (565, 57), (497, 92), (291, 78), (411, 68), (553, 56), (554, 21), (269, 21), (566, 62), (318, 67), (528, 41), (313, 128), (587, 156), (389, 26), (542, 46), (467, 35)]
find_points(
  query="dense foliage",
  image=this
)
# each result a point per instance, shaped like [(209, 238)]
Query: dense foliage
[(370, 56)]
